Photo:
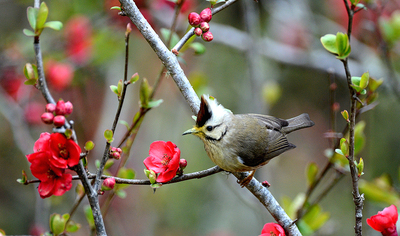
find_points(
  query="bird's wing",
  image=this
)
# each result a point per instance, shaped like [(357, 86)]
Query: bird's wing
[(270, 122)]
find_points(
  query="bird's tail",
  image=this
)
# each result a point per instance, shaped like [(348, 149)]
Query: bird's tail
[(298, 122)]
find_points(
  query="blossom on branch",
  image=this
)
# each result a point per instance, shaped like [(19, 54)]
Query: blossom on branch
[(163, 160), (272, 229), (53, 154), (385, 221)]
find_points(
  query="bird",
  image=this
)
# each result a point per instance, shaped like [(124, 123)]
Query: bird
[(243, 142)]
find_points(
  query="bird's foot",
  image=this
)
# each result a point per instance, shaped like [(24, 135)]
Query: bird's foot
[(244, 182)]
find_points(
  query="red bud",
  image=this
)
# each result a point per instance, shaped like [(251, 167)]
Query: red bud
[(207, 36), (198, 31), (194, 19), (204, 26), (59, 121), (47, 117), (50, 107), (206, 15)]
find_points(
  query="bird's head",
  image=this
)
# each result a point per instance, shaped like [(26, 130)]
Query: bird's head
[(211, 122)]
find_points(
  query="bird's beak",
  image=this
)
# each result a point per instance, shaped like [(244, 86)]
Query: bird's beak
[(193, 130)]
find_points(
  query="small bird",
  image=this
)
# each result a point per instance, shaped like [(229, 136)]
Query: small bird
[(243, 142)]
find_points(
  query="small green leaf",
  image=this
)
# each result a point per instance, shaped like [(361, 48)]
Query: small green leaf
[(360, 167), (155, 185), (30, 71), (108, 134), (119, 88), (55, 25), (360, 5), (198, 48), (364, 80), (89, 145), (344, 146), (145, 91), (356, 80), (23, 179), (28, 33), (329, 43), (89, 216), (134, 78), (114, 89), (122, 122), (30, 82), (32, 14), (374, 84), (345, 115), (72, 227), (312, 171), (359, 137), (57, 224), (97, 163), (341, 43), (338, 151), (153, 104), (42, 16), (121, 193), (125, 173), (68, 133), (116, 8), (165, 33), (109, 163)]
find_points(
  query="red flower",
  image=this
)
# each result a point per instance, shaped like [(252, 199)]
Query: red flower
[(60, 75), (272, 229), (163, 160), (53, 180), (61, 152), (385, 221)]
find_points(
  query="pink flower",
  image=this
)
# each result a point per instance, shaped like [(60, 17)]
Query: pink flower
[(272, 229), (385, 221), (163, 160)]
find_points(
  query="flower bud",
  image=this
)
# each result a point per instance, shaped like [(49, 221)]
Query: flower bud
[(108, 184), (60, 108), (59, 121), (206, 15), (194, 19), (68, 108), (266, 184), (198, 31), (119, 150), (204, 26), (116, 155), (47, 117), (182, 163), (50, 107), (207, 36)]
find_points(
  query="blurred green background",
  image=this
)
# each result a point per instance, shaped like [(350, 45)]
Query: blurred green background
[(265, 58)]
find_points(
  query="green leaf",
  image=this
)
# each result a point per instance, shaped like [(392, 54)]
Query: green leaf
[(122, 122), (55, 25), (121, 193), (32, 14), (379, 191), (329, 43), (165, 33), (315, 218), (134, 78), (57, 224), (155, 185), (89, 216), (359, 137), (356, 80), (360, 167), (360, 5), (97, 163), (114, 89), (116, 8), (312, 171), (42, 16), (119, 87), (72, 227), (344, 146), (125, 173), (109, 163), (89, 145), (30, 82), (108, 134), (374, 84), (364, 80), (153, 104), (68, 133), (338, 151), (198, 48), (145, 91), (23, 179), (341, 43), (345, 115), (28, 33)]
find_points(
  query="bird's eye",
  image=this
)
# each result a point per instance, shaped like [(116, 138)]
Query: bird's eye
[(209, 128)]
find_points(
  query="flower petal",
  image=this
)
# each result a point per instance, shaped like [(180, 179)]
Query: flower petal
[(46, 188)]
